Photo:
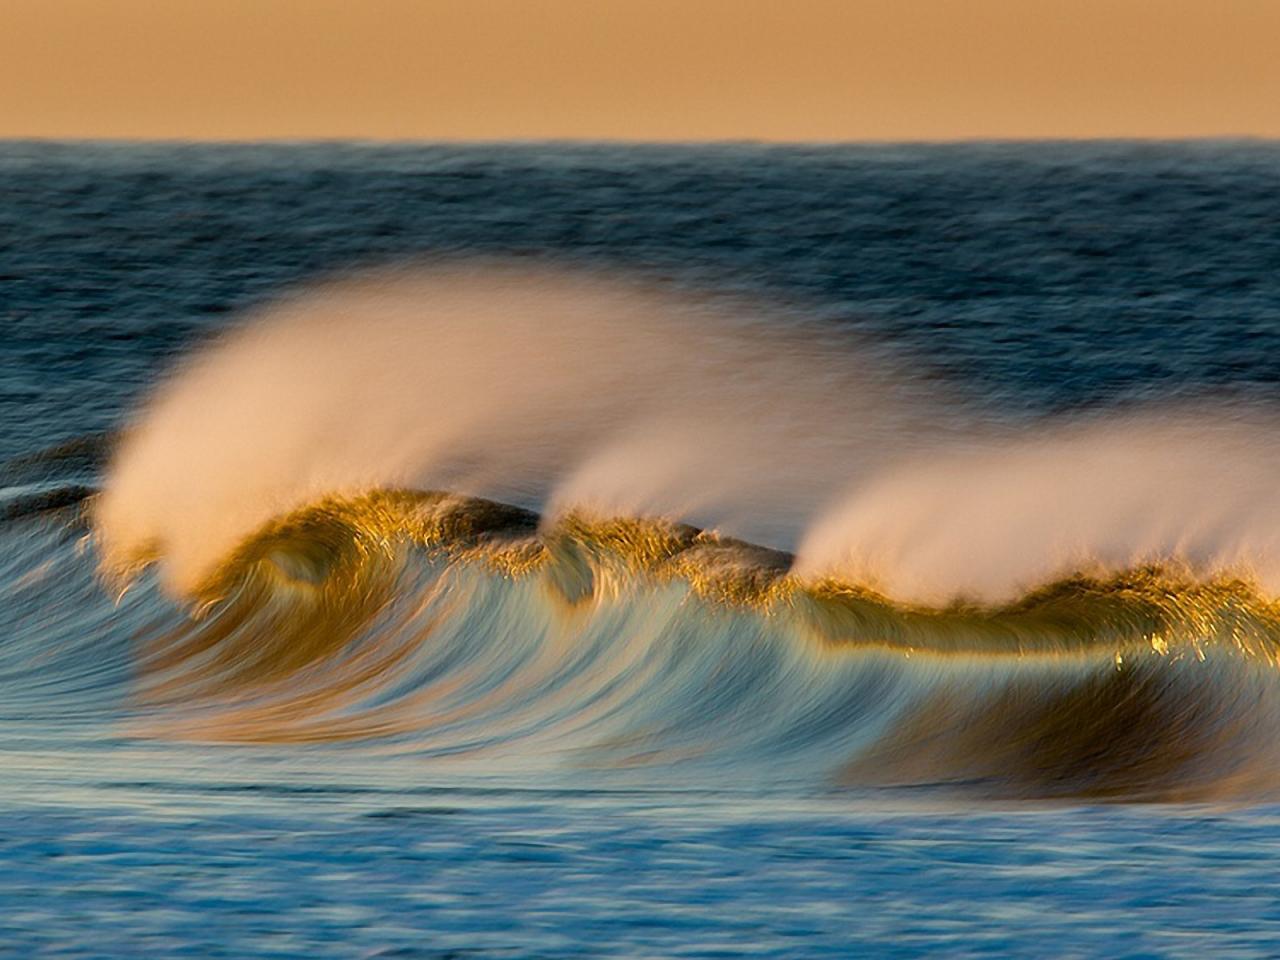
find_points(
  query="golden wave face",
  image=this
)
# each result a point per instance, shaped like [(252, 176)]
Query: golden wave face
[(462, 626), (336, 549)]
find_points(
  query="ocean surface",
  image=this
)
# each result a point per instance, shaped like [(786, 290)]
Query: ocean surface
[(557, 551)]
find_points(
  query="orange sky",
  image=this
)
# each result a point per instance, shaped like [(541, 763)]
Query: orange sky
[(639, 69)]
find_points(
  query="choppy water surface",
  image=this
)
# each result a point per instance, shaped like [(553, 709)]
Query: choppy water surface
[(559, 551)]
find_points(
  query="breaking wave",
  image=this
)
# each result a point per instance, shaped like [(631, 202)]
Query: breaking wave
[(465, 633), (684, 541)]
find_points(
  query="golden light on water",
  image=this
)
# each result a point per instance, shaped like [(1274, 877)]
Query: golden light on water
[(638, 69)]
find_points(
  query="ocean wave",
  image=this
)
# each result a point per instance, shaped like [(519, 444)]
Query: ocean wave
[(462, 630), (686, 542)]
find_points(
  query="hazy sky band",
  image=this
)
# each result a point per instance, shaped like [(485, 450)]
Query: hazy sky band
[(639, 69)]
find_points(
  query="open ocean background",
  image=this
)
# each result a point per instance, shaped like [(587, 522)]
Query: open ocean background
[(1035, 280)]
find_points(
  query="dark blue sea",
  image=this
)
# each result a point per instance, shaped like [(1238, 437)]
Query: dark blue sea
[(618, 551)]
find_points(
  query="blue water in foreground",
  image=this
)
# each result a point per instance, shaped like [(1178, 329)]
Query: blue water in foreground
[(443, 874), (1036, 280)]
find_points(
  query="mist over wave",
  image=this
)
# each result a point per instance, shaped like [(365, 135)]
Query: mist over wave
[(1186, 487), (550, 390), (569, 392)]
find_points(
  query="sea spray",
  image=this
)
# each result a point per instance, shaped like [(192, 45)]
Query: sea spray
[(564, 391), (551, 390)]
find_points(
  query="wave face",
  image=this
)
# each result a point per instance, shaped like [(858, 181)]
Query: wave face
[(465, 634), (1079, 609)]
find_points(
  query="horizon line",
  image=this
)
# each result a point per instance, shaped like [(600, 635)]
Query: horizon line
[(373, 141)]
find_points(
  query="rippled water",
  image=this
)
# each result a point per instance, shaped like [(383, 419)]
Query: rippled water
[(382, 727), (443, 874)]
